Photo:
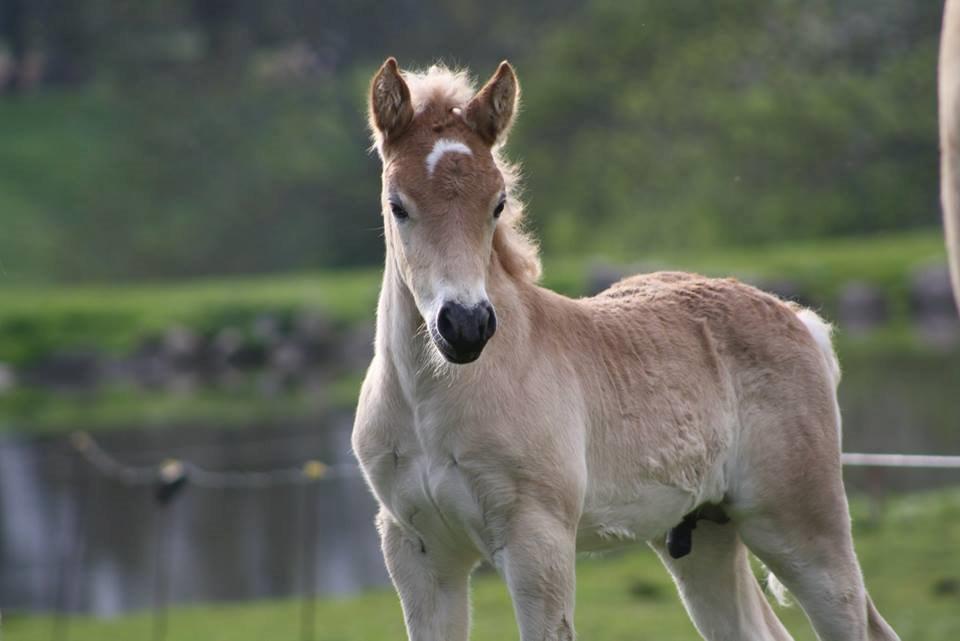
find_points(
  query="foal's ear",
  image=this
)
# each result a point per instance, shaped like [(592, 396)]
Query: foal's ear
[(491, 111), (390, 108)]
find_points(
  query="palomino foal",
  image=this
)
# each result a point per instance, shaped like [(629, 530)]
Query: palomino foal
[(500, 421)]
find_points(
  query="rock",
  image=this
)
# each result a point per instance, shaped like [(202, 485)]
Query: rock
[(250, 355), (182, 383), (313, 326), (786, 289), (932, 306), (148, 365), (288, 357), (356, 348), (68, 369), (931, 293), (226, 343), (267, 328), (861, 307), (181, 345), (316, 336), (271, 384), (8, 378)]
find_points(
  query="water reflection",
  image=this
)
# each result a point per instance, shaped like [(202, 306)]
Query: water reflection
[(72, 539)]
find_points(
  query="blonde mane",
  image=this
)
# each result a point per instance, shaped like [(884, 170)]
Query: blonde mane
[(445, 89)]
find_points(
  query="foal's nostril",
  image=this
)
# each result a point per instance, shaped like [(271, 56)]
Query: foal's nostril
[(445, 323), (489, 321)]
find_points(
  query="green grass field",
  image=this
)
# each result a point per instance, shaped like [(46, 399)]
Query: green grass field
[(910, 557)]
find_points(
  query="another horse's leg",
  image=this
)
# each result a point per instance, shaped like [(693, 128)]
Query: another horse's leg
[(719, 589), (537, 562), (433, 589)]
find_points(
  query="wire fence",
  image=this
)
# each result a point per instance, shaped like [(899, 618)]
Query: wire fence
[(170, 477), (172, 471), (901, 460)]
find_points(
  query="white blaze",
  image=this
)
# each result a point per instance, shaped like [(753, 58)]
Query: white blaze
[(441, 147)]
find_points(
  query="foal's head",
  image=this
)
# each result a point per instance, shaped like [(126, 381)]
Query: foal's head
[(444, 193)]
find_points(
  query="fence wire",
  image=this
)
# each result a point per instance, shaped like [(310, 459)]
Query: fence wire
[(172, 469), (313, 470)]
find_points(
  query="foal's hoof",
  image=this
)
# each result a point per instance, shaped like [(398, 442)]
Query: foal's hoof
[(680, 540)]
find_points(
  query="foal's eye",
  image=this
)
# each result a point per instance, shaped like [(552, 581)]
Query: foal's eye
[(398, 211), (499, 208)]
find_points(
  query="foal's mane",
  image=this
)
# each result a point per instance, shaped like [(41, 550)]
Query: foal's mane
[(443, 88)]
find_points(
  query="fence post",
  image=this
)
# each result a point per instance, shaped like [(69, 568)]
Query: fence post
[(308, 517), (172, 480), (85, 521)]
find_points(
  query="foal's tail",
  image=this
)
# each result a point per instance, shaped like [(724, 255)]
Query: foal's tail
[(822, 331), (949, 90)]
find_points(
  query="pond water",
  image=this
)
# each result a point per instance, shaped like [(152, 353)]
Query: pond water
[(72, 539)]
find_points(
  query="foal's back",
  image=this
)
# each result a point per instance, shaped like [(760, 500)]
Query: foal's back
[(733, 332), (690, 364)]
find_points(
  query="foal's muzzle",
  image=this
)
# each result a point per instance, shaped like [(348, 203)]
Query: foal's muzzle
[(460, 333)]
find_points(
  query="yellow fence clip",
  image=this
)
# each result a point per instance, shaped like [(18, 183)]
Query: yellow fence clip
[(314, 470)]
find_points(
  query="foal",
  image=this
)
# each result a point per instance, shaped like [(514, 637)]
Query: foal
[(500, 421)]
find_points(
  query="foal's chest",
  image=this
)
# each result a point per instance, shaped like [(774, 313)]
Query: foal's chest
[(429, 491)]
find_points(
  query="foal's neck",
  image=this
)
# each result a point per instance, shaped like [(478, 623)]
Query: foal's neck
[(403, 338)]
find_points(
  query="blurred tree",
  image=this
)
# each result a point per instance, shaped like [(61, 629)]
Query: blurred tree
[(13, 29), (210, 136), (221, 22), (69, 41)]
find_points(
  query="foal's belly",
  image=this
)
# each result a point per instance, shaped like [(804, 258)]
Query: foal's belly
[(434, 498), (644, 515)]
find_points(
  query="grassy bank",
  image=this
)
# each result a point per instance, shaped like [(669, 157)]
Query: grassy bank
[(37, 320), (911, 565)]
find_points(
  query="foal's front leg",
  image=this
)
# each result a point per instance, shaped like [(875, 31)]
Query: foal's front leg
[(538, 565), (433, 586)]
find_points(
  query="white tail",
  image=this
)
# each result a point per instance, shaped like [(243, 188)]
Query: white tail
[(949, 89), (822, 331)]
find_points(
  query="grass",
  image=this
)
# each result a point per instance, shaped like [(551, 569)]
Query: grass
[(122, 407), (909, 555)]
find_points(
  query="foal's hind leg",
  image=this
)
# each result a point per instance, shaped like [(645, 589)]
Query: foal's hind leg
[(719, 589), (812, 554), (792, 513)]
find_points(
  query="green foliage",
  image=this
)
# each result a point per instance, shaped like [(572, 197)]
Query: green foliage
[(184, 148), (662, 124), (620, 597), (36, 411)]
